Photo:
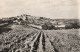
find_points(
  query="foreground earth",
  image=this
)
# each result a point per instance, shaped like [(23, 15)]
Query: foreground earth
[(25, 39)]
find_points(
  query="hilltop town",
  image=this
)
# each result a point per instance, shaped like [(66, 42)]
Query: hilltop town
[(42, 22)]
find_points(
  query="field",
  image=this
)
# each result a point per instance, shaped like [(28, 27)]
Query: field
[(27, 39)]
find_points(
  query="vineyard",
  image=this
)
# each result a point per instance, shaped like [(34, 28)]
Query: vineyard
[(21, 39)]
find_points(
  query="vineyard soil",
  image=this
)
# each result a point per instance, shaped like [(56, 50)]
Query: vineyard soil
[(27, 39)]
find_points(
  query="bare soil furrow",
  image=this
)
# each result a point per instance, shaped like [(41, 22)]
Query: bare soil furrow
[(43, 42), (36, 43), (32, 42), (40, 49)]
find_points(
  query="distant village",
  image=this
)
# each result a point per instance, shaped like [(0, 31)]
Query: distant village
[(41, 22)]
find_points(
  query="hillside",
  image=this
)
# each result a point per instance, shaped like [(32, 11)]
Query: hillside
[(39, 21)]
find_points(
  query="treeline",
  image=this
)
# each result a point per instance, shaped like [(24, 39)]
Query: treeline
[(6, 21), (72, 25), (4, 24), (49, 26)]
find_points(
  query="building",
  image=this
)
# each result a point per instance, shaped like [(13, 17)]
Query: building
[(60, 26)]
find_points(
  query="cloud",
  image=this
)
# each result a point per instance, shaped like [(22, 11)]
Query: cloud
[(46, 8)]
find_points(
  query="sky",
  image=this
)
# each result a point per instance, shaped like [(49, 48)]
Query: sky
[(55, 9)]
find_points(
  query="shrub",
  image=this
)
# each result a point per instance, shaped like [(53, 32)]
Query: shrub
[(72, 25), (47, 26)]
